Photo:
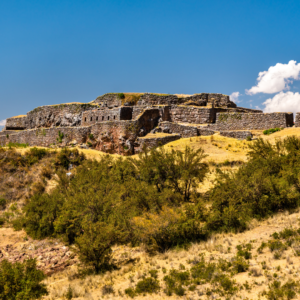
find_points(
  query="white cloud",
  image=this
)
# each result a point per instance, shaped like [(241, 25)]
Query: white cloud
[(235, 97), (2, 123), (283, 102), (276, 79)]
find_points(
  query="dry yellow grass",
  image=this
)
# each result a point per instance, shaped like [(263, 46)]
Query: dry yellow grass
[(20, 116), (218, 246), (183, 95)]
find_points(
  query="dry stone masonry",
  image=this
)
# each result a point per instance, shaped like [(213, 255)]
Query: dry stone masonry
[(124, 123)]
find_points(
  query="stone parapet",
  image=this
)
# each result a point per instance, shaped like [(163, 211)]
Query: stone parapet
[(45, 137), (240, 135), (154, 141), (16, 123), (252, 121), (192, 114), (184, 130)]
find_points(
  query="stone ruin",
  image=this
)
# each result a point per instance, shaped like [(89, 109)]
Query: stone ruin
[(124, 123)]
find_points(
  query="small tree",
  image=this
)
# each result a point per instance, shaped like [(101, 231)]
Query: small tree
[(95, 245), (21, 281), (176, 170)]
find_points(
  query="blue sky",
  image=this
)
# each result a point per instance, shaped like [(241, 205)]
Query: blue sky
[(65, 51)]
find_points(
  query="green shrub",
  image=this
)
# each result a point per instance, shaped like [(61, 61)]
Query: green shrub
[(95, 245), (3, 203), (21, 281), (239, 265), (66, 157), (16, 145), (244, 251), (276, 245), (121, 96), (285, 291), (266, 184), (270, 131), (249, 138), (60, 137), (180, 171), (147, 285), (130, 292)]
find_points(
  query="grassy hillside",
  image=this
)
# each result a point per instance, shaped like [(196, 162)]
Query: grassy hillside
[(202, 217)]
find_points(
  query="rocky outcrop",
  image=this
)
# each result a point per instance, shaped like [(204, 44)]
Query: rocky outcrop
[(240, 135), (63, 115), (50, 258)]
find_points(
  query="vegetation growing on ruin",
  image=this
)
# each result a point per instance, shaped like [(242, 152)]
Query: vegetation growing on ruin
[(270, 131)]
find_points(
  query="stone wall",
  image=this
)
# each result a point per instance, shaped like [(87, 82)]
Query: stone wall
[(16, 123), (203, 99), (62, 115), (241, 135), (153, 142), (8, 132), (192, 114), (205, 131), (252, 121), (137, 110), (91, 117), (48, 136), (159, 99), (120, 136), (184, 130)]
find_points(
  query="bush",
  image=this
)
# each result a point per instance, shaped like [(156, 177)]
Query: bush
[(121, 96), (270, 131), (180, 171), (3, 203), (21, 281), (16, 145), (60, 137), (147, 285), (67, 157), (95, 245), (269, 182), (286, 291), (240, 265), (130, 292)]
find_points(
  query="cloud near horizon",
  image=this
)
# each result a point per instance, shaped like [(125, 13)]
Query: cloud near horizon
[(235, 97), (2, 123), (283, 102), (276, 79)]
